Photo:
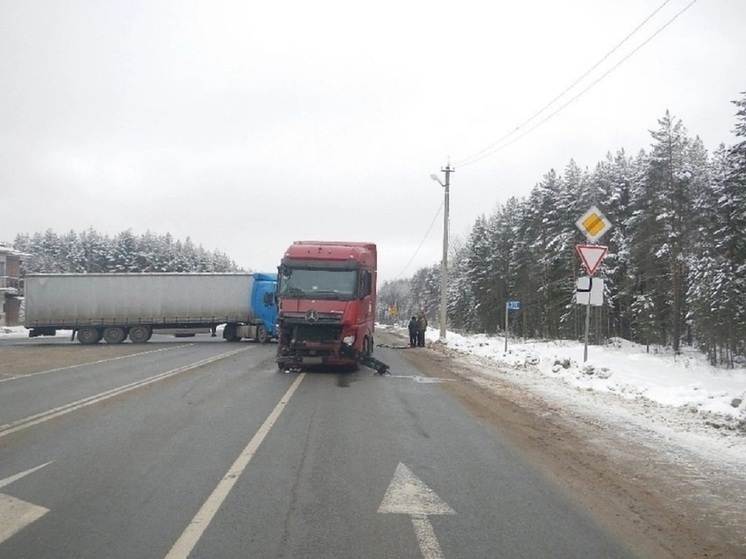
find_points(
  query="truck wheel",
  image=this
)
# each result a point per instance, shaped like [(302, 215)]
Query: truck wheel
[(140, 334), (114, 335), (261, 334), (367, 348), (89, 336)]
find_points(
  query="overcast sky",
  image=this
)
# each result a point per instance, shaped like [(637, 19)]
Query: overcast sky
[(248, 125)]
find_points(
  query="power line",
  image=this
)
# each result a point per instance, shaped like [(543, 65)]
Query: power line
[(545, 107), (495, 146), (400, 274)]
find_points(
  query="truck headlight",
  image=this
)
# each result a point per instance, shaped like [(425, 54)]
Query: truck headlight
[(349, 340)]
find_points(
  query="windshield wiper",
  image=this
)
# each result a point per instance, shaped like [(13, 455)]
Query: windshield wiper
[(327, 294)]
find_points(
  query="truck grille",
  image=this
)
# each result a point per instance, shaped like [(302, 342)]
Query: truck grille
[(316, 333), (316, 319)]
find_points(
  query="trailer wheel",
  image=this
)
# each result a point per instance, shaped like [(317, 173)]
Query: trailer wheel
[(89, 336), (140, 334), (261, 334), (114, 335)]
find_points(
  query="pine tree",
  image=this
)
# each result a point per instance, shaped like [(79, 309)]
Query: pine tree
[(462, 304), (479, 273), (122, 255), (91, 252), (661, 211), (95, 250), (551, 217), (425, 288)]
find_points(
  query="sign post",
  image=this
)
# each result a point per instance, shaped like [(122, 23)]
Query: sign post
[(590, 291), (593, 224), (509, 306)]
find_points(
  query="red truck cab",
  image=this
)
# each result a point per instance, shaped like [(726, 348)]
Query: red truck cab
[(326, 295)]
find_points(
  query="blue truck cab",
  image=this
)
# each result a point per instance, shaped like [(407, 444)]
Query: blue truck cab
[(264, 303)]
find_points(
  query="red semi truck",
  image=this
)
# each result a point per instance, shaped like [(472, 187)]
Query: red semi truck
[(326, 295)]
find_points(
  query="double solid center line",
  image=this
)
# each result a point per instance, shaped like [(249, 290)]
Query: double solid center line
[(32, 420)]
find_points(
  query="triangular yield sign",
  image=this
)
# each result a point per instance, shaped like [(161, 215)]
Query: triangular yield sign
[(592, 256)]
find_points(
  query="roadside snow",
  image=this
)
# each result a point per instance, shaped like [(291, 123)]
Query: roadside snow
[(666, 401), (13, 332), (661, 400), (622, 368)]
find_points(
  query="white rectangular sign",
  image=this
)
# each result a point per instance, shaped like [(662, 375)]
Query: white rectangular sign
[(590, 288)]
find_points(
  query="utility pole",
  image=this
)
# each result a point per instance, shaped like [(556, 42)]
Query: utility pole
[(444, 262)]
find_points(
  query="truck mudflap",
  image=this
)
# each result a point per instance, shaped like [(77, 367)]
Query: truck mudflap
[(368, 360)]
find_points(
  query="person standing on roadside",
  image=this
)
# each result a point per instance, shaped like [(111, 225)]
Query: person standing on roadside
[(421, 329), (413, 329)]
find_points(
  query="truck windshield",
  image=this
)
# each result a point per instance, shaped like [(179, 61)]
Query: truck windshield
[(320, 284)]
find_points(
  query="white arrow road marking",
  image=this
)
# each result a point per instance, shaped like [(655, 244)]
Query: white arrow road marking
[(16, 514), (407, 494)]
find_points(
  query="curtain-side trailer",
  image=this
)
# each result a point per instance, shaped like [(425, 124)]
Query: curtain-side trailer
[(114, 306)]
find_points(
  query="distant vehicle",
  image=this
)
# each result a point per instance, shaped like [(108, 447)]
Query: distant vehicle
[(114, 307), (326, 294)]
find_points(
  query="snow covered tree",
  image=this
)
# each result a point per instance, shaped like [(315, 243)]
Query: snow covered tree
[(425, 287), (91, 252), (549, 220), (661, 210), (717, 293), (462, 304), (478, 268), (395, 294), (95, 250), (122, 254)]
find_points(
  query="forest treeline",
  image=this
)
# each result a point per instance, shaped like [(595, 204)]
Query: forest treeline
[(675, 272), (90, 251)]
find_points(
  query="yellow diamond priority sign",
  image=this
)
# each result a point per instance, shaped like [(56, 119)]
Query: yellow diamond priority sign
[(593, 224)]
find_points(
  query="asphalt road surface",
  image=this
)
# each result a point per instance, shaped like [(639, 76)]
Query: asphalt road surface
[(203, 449)]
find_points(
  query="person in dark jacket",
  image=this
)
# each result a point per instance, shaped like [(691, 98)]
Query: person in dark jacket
[(421, 328), (413, 329)]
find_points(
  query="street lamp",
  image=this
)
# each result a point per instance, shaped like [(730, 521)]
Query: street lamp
[(444, 262)]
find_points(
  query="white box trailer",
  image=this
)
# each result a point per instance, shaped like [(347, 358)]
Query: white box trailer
[(115, 306)]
